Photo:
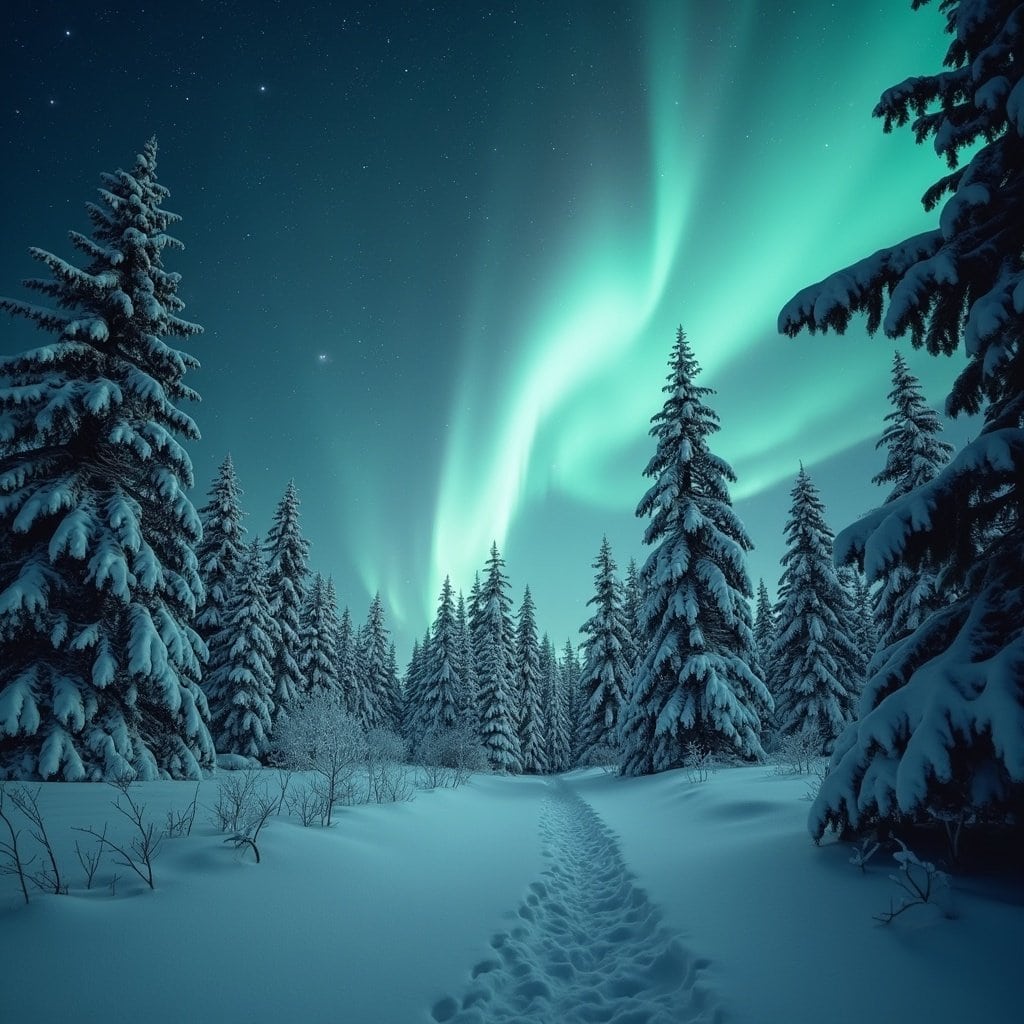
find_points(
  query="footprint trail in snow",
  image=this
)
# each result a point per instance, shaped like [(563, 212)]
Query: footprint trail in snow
[(588, 947)]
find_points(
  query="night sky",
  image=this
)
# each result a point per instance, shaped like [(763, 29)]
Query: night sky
[(441, 250)]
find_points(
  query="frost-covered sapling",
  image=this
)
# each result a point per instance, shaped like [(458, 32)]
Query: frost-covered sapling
[(236, 796), (698, 763), (388, 777), (91, 861), (12, 862), (320, 736), (865, 850), (264, 807), (797, 753), (919, 879), (447, 756)]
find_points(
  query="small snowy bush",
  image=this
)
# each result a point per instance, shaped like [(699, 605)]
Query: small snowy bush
[(920, 881)]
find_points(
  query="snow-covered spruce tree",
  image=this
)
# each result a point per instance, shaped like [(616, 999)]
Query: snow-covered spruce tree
[(99, 584), (697, 682), (345, 659), (439, 684), (908, 596), (221, 551), (412, 726), (467, 698), (498, 707), (940, 725), (378, 709), (555, 727), (632, 613), (318, 641), (532, 719), (571, 696), (860, 620), (606, 676), (240, 688), (287, 557), (814, 660), (764, 629)]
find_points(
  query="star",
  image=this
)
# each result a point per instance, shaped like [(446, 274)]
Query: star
[(263, 88)]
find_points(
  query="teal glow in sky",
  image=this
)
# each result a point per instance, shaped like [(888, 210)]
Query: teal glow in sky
[(441, 255)]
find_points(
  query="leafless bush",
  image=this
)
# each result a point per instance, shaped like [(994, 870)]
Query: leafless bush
[(180, 823), (12, 862), (698, 763), (47, 878), (284, 778), (798, 753), (91, 861), (236, 795), (919, 879), (448, 756), (264, 806), (388, 777), (139, 853), (319, 736)]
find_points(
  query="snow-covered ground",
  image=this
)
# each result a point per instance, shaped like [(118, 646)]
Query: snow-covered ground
[(582, 898)]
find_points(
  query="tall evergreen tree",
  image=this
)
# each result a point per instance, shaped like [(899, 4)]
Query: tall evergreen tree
[(632, 613), (764, 628), (696, 683), (572, 701), (908, 596), (318, 642), (940, 730), (468, 711), (379, 710), (346, 661), (499, 709), (814, 659), (606, 675), (528, 684), (240, 688), (412, 728), (287, 556), (556, 729), (440, 684), (99, 583), (222, 549)]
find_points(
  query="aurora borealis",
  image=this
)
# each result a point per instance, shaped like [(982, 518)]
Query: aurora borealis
[(441, 252)]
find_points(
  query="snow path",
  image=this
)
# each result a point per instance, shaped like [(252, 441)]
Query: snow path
[(588, 946)]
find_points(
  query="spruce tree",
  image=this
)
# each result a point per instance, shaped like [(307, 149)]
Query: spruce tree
[(940, 729), (556, 726), (287, 557), (240, 688), (346, 661), (528, 684), (499, 709), (632, 613), (571, 696), (221, 551), (318, 642), (440, 688), (99, 583), (697, 683), (412, 726), (814, 659), (908, 596), (468, 697), (606, 676), (381, 705), (764, 628)]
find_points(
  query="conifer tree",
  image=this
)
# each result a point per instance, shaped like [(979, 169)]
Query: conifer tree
[(396, 700), (696, 683), (569, 685), (632, 613), (287, 557), (240, 688), (499, 709), (814, 659), (412, 727), (380, 708), (440, 688), (318, 642), (940, 729), (222, 549), (606, 677), (764, 628), (99, 583), (468, 697), (908, 596), (556, 727), (532, 720), (346, 662)]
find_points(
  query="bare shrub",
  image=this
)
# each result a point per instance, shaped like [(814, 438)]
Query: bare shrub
[(447, 756), (388, 777), (91, 861), (236, 796), (12, 863), (179, 823), (47, 878), (321, 737), (264, 806), (698, 762), (139, 853), (797, 753), (919, 879)]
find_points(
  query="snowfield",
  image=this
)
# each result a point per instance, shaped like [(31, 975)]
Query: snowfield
[(580, 898)]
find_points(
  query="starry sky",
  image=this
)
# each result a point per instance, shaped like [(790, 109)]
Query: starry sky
[(440, 251)]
